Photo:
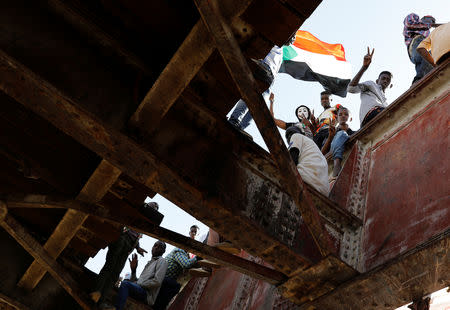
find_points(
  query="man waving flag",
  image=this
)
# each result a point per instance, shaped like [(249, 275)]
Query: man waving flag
[(310, 59)]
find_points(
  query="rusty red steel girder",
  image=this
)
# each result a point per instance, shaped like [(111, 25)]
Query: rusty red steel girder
[(243, 78)]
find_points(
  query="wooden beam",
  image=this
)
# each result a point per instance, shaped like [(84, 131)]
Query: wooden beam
[(85, 25), (243, 78), (13, 303), (93, 191), (182, 68), (48, 102), (131, 218), (21, 235), (143, 166)]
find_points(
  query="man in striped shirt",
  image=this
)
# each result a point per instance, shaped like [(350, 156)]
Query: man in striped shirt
[(177, 261), (415, 30)]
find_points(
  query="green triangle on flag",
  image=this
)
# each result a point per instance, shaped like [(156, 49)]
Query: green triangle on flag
[(288, 52)]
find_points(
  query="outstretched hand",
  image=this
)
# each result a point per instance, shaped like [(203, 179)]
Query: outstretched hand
[(133, 262), (305, 121), (271, 97), (368, 57), (141, 251)]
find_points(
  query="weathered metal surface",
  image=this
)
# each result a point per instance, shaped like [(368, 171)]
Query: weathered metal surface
[(317, 280), (227, 289), (373, 177), (226, 184), (350, 191), (243, 78), (411, 275), (404, 207), (222, 212)]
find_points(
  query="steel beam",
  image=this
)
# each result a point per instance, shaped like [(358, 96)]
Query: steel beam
[(192, 54), (131, 218), (243, 78)]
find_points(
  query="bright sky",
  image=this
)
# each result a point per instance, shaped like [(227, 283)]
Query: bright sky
[(355, 24)]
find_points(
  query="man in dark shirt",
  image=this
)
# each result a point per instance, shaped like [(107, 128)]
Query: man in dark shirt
[(116, 258)]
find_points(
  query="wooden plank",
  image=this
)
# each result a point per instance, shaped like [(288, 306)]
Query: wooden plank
[(95, 188), (23, 237), (182, 68), (243, 78), (13, 303), (131, 218)]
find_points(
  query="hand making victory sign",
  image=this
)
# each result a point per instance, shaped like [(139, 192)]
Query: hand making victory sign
[(332, 128), (366, 62), (368, 57)]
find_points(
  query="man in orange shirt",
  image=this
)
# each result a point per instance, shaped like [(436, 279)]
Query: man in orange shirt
[(438, 42)]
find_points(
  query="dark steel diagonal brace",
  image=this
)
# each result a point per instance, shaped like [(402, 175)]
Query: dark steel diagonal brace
[(246, 84)]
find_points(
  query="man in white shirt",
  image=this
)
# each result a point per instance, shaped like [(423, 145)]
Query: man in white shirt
[(146, 288), (373, 99), (311, 164)]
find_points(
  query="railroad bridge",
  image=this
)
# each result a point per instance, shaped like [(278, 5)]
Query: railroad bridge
[(106, 102)]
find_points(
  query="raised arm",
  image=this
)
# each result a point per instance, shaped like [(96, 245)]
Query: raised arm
[(366, 62), (184, 260), (281, 124), (331, 133), (426, 55), (133, 265)]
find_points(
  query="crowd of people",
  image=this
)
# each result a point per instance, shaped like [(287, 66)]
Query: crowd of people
[(309, 140), (160, 280)]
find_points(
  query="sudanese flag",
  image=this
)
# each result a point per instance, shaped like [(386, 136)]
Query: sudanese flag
[(309, 59)]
